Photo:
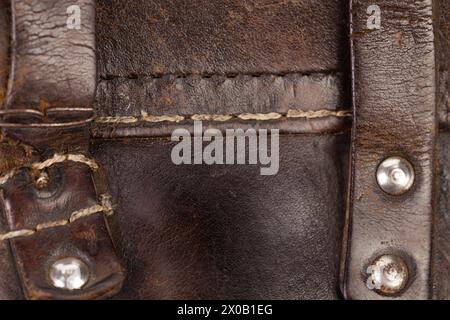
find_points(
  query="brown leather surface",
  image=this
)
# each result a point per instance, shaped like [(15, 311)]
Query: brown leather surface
[(322, 125), (52, 67), (171, 95), (441, 226), (395, 91), (153, 38), (189, 97), (212, 232), (52, 64), (4, 49), (10, 288), (71, 189), (441, 229), (205, 232), (443, 45)]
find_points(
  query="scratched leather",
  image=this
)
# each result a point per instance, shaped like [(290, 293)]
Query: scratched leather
[(233, 37)]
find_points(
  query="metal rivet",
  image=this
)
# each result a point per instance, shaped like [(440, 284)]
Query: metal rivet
[(395, 175), (388, 275), (69, 274)]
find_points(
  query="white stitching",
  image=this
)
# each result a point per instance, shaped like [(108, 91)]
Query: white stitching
[(105, 207), (293, 114), (57, 158)]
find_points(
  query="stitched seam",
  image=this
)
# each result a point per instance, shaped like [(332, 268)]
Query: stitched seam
[(105, 207), (57, 158), (227, 75), (291, 114)]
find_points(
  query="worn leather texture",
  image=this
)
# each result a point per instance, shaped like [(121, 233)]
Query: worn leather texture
[(224, 232), (195, 97), (441, 227), (171, 95), (156, 38), (52, 64), (26, 207), (441, 230), (51, 73), (395, 95), (4, 50)]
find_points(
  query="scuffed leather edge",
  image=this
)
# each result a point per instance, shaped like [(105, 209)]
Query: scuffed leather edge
[(5, 48)]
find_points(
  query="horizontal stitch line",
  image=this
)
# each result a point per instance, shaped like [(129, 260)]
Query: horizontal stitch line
[(57, 158), (105, 207), (229, 75), (291, 114)]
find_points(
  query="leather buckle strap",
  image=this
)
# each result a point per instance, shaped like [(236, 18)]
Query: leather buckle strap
[(61, 220), (54, 203), (392, 191)]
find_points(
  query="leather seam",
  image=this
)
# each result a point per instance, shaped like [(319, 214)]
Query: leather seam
[(57, 158), (105, 206), (231, 75), (291, 114)]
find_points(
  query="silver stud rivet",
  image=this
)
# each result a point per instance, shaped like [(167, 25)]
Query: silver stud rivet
[(388, 275), (395, 175), (69, 274)]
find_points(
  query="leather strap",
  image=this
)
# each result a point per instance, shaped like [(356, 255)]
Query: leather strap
[(394, 73), (54, 197)]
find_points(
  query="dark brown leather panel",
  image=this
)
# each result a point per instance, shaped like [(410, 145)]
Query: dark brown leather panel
[(395, 92), (52, 64), (207, 232), (238, 36)]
